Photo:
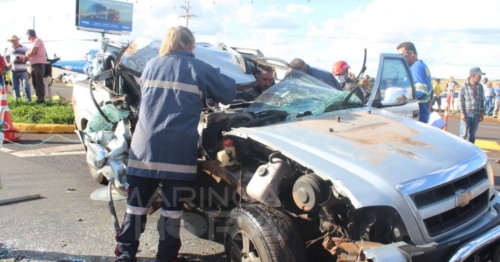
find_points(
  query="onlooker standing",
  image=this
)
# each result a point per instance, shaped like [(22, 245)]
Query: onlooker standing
[(15, 59), (365, 83), (2, 72), (497, 101), (421, 76), (47, 77), (37, 56), (437, 94), (489, 95), (472, 105), (322, 75), (451, 86), (485, 81)]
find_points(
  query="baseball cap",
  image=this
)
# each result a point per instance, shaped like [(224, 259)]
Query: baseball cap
[(476, 71), (31, 32)]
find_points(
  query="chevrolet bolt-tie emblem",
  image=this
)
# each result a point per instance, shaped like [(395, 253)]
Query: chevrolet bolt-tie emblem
[(463, 198)]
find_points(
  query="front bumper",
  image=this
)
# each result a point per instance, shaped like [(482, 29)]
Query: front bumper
[(476, 244), (457, 249)]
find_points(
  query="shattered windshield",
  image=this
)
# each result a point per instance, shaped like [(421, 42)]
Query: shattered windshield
[(300, 94), (138, 53)]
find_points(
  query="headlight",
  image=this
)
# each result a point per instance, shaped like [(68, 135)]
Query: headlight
[(491, 176)]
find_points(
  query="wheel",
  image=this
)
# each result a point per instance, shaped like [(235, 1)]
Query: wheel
[(99, 178), (496, 255), (257, 233), (70, 82)]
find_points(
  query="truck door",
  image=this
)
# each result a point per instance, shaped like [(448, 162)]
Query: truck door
[(394, 89)]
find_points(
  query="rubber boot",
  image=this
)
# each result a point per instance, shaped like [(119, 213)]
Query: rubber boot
[(170, 242), (128, 238)]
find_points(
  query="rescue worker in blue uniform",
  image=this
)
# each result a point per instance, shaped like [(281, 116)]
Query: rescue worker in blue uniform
[(165, 142), (421, 76), (322, 75)]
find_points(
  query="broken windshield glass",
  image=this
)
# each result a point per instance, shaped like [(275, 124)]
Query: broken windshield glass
[(300, 94)]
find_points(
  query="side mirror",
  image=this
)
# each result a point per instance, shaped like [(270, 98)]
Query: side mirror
[(395, 96)]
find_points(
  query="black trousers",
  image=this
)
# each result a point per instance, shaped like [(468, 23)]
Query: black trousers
[(37, 73), (141, 193)]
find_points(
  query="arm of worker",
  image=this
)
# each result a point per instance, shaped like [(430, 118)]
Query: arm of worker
[(217, 85)]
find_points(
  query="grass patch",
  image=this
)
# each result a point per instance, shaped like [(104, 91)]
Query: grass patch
[(49, 112)]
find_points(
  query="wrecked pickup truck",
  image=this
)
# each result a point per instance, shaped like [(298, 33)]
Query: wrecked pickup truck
[(310, 173)]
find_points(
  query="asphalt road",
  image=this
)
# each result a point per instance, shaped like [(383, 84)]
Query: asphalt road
[(65, 224), (61, 89)]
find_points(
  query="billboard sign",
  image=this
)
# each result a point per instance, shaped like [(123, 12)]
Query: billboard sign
[(106, 16)]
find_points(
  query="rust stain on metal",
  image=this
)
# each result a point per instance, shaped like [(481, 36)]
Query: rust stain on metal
[(347, 250), (214, 167)]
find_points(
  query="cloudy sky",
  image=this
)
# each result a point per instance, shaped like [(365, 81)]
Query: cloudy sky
[(451, 36)]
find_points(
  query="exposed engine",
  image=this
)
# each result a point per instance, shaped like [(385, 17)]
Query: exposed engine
[(328, 222)]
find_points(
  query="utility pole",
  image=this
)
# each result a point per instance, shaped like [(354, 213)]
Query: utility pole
[(187, 15), (33, 17)]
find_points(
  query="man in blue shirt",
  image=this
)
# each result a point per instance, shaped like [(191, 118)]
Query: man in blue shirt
[(497, 100), (421, 76), (322, 75)]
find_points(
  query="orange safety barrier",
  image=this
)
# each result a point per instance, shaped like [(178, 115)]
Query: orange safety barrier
[(9, 131)]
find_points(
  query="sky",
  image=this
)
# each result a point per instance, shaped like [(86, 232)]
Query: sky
[(451, 36)]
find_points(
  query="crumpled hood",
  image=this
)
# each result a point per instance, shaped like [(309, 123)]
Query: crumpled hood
[(367, 152)]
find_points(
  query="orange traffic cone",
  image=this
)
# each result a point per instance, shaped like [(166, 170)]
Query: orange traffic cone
[(9, 130)]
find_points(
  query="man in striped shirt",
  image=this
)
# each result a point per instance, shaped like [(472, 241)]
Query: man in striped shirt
[(15, 59), (472, 105)]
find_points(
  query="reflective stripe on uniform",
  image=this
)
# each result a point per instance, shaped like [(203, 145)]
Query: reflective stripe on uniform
[(136, 210), (172, 85), (423, 88), (162, 166), (172, 213)]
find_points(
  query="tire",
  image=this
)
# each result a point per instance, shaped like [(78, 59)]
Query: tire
[(99, 178), (269, 234)]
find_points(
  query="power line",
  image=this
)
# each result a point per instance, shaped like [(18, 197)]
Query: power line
[(360, 38)]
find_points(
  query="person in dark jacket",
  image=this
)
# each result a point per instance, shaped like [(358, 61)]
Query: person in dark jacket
[(324, 76), (164, 144), (47, 77)]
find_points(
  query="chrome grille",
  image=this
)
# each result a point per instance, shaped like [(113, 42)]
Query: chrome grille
[(452, 218), (457, 214)]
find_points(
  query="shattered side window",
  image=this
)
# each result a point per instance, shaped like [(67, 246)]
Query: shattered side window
[(140, 51)]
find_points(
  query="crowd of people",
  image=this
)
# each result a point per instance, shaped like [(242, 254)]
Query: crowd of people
[(22, 67)]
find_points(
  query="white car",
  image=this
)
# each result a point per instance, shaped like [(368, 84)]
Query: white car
[(73, 78), (456, 102)]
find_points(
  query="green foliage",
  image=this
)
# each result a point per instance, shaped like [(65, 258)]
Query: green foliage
[(49, 112)]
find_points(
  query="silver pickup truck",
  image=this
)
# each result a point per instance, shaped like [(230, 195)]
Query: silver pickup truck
[(310, 173)]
